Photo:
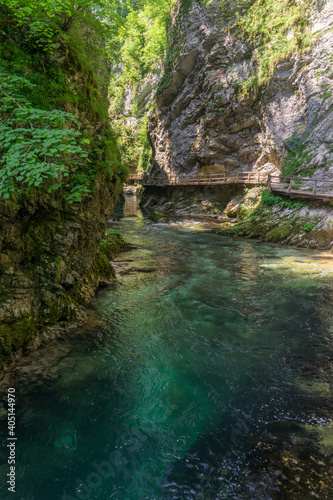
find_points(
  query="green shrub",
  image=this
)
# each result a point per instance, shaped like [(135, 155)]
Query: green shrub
[(47, 81), (269, 199), (309, 226), (295, 159)]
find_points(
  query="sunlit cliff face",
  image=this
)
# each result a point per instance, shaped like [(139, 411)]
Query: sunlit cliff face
[(204, 122)]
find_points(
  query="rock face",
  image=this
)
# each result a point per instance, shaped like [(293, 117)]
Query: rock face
[(52, 257), (203, 124), (210, 119), (194, 201), (281, 220), (50, 263)]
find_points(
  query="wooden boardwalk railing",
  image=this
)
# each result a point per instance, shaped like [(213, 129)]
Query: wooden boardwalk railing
[(203, 179), (296, 187), (301, 187)]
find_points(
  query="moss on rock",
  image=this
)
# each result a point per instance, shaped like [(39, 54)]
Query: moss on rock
[(62, 290), (102, 267), (259, 213), (157, 216), (112, 244), (280, 219), (16, 334)]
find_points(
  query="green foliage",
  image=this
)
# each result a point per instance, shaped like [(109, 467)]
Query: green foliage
[(232, 8), (112, 232), (46, 82), (297, 156), (88, 26), (270, 200), (249, 205), (37, 146), (146, 157), (132, 140), (309, 226), (142, 41), (275, 29)]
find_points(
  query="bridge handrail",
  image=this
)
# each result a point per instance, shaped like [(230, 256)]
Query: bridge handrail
[(289, 183), (307, 179), (301, 184), (243, 177)]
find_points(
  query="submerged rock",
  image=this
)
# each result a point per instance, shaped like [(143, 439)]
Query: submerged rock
[(158, 217)]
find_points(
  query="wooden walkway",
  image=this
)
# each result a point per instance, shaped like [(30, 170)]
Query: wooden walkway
[(295, 187), (202, 179), (301, 187)]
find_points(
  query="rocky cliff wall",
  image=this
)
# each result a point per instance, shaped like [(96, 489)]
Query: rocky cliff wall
[(221, 107), (50, 264), (52, 252), (205, 122)]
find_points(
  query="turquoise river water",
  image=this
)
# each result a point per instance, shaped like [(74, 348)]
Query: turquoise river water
[(210, 378)]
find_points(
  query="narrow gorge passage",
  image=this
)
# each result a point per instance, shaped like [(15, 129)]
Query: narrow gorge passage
[(172, 351), (209, 380)]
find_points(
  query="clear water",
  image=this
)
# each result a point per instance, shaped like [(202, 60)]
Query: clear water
[(211, 379)]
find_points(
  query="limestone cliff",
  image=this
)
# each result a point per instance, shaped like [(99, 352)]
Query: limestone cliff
[(202, 121), (51, 255), (218, 111)]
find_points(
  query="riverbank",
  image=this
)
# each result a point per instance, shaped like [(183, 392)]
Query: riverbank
[(250, 213)]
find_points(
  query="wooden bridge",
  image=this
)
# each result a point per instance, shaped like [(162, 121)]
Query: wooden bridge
[(295, 187)]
